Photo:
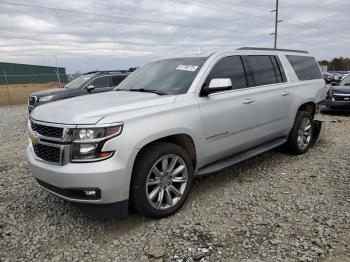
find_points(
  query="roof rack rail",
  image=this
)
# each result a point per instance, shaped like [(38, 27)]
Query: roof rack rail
[(108, 71), (272, 49)]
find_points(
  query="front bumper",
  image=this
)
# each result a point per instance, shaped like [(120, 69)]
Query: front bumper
[(110, 177), (329, 105)]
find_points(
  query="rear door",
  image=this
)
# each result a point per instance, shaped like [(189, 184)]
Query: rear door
[(228, 117), (266, 76)]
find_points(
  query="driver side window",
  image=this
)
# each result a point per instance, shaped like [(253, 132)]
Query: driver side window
[(100, 82), (229, 67)]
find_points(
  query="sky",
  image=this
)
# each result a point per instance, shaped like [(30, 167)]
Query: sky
[(84, 35)]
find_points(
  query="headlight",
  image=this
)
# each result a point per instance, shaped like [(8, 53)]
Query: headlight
[(45, 98), (88, 143)]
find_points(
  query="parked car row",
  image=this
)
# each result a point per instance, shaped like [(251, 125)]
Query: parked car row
[(142, 144), (330, 77)]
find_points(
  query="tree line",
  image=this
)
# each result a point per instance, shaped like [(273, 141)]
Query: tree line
[(337, 64)]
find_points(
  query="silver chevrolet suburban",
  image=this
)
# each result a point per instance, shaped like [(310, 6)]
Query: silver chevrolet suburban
[(171, 120)]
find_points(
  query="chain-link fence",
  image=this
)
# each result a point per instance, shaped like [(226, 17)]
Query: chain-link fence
[(15, 89)]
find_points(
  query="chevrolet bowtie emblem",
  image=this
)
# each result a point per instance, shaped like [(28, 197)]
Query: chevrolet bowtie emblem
[(34, 138)]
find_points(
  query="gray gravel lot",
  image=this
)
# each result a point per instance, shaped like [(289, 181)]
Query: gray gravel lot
[(274, 207)]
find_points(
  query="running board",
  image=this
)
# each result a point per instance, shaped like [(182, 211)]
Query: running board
[(229, 161)]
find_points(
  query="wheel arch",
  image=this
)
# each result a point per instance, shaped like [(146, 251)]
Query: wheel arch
[(308, 106), (183, 140)]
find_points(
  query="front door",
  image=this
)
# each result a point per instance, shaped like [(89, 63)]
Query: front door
[(228, 117)]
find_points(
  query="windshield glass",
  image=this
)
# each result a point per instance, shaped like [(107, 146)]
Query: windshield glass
[(79, 81), (345, 82), (169, 76)]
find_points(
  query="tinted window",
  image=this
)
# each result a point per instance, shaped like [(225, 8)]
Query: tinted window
[(260, 70), (170, 76), (229, 67), (281, 69), (80, 81), (104, 81), (116, 80), (305, 67)]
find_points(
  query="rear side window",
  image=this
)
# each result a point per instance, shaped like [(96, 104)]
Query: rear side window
[(100, 82), (262, 70), (229, 67), (116, 80), (305, 67)]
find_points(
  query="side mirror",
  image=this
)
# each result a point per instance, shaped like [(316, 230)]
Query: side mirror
[(90, 88), (216, 85), (334, 84)]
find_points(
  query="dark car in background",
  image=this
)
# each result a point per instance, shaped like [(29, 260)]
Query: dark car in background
[(338, 96), (88, 83)]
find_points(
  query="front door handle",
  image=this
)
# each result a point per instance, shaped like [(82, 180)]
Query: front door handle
[(248, 101), (285, 93)]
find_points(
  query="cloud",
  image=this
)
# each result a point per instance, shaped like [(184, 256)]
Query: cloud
[(90, 34)]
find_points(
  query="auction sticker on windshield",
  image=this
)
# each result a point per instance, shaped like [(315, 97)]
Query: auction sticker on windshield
[(191, 68)]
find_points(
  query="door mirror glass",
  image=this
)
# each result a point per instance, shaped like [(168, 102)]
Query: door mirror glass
[(220, 84), (216, 85), (334, 84)]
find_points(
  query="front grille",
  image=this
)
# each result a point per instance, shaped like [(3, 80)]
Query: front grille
[(342, 98), (32, 100), (47, 153), (48, 131)]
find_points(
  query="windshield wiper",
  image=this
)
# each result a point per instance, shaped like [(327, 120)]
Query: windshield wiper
[(144, 90)]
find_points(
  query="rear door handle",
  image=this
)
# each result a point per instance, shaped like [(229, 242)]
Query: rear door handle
[(285, 93), (248, 101)]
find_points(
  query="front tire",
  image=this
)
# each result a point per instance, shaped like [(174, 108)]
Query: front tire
[(300, 138), (162, 179)]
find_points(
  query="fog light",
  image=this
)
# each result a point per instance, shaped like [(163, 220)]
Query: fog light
[(90, 192)]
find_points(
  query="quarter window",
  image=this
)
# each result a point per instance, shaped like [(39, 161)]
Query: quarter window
[(117, 79), (229, 67), (305, 67), (261, 70)]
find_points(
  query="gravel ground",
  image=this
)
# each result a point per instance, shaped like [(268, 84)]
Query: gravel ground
[(274, 207)]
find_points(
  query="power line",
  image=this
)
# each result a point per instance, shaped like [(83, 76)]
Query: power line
[(196, 26), (285, 19), (218, 9)]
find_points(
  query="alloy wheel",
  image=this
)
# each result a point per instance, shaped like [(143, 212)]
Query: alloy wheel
[(304, 133), (166, 182)]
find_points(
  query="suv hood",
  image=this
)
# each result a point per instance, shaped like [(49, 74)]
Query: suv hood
[(90, 109), (49, 92)]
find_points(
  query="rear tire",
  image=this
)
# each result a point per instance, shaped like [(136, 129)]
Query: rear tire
[(162, 180), (301, 135)]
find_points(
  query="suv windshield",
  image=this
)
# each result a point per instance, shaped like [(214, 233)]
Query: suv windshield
[(345, 82), (169, 76), (79, 81)]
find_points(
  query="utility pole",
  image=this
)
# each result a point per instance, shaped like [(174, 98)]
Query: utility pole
[(7, 87), (276, 24), (58, 72)]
